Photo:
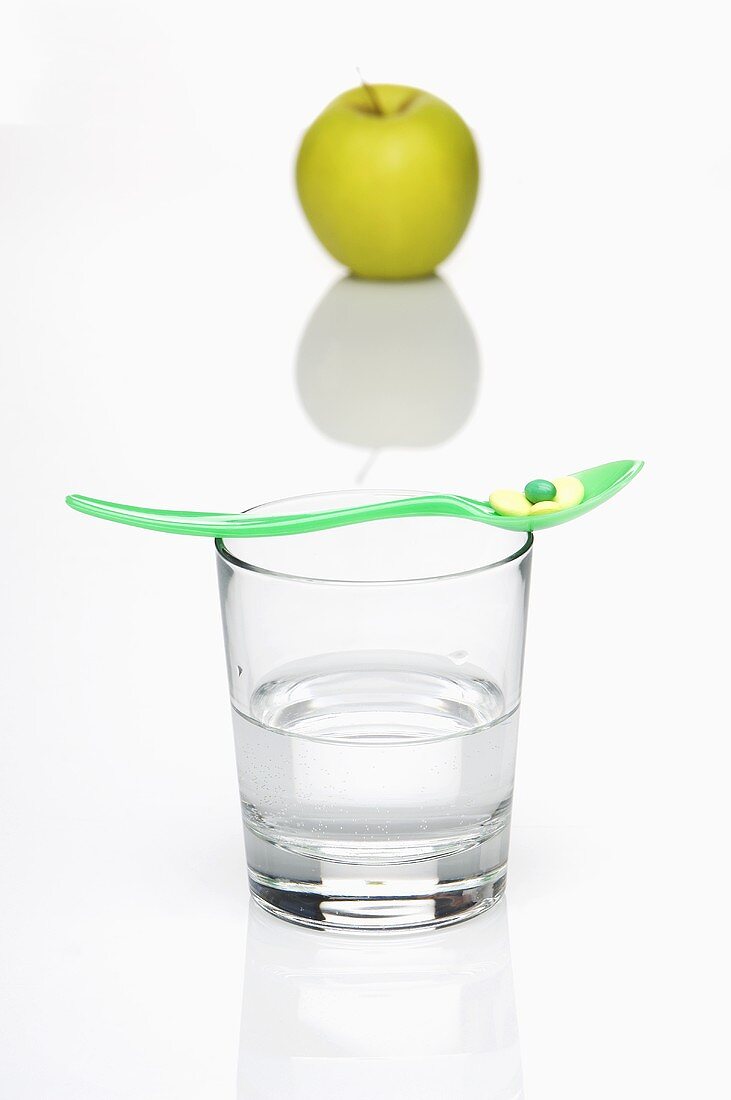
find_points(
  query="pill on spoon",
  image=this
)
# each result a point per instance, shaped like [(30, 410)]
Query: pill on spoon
[(509, 502), (539, 490), (569, 491), (545, 507)]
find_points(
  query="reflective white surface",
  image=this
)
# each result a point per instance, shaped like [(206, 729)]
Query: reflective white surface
[(428, 1014), (167, 333), (386, 365)]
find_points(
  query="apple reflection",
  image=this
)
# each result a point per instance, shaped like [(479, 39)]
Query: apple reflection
[(429, 1015), (385, 364)]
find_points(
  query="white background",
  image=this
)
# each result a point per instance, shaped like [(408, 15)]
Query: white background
[(156, 278)]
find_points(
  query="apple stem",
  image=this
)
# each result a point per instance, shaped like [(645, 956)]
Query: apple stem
[(367, 466), (371, 93)]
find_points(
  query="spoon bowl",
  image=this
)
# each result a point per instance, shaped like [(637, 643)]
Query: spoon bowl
[(600, 483)]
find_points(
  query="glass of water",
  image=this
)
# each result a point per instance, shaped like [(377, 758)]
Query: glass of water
[(375, 675)]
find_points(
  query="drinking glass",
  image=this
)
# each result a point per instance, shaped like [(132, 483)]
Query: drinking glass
[(375, 674)]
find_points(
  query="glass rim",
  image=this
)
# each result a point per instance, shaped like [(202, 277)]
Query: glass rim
[(228, 556)]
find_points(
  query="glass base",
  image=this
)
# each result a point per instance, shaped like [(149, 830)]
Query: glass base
[(422, 893)]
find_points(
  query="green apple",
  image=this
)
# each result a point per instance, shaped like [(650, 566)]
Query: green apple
[(387, 176)]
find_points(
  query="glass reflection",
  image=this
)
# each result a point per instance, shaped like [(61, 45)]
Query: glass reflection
[(388, 364), (429, 1015)]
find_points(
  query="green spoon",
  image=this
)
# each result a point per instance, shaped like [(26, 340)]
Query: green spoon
[(600, 483)]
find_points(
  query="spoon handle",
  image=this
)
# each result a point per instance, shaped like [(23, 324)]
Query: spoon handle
[(238, 525)]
